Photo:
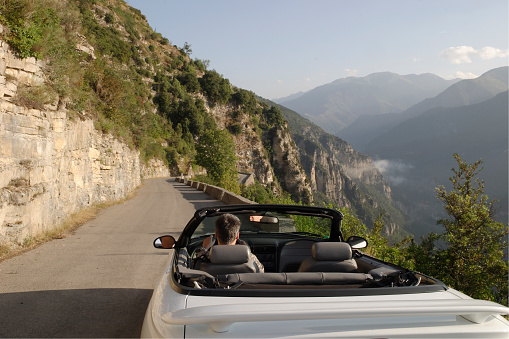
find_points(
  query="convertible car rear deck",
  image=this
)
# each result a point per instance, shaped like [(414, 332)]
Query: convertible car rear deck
[(316, 283)]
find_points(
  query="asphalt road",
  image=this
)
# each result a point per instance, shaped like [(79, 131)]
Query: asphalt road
[(97, 282)]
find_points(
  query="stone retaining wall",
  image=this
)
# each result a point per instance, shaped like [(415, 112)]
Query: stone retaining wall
[(217, 193)]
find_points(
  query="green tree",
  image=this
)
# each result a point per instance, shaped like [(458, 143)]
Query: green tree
[(215, 151), (274, 117), (216, 88), (379, 246), (189, 79), (473, 260), (187, 48), (351, 225)]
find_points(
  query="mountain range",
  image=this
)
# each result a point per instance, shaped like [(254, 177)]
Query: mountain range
[(336, 105), (414, 148), (465, 92)]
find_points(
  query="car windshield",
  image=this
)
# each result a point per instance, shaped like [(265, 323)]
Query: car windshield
[(272, 222)]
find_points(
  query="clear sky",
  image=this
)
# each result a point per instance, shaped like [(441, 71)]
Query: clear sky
[(279, 47)]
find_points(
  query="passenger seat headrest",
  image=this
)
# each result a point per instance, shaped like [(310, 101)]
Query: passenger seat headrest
[(229, 254), (331, 251)]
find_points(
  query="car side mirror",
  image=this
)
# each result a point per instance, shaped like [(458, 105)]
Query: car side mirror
[(356, 242), (165, 241)]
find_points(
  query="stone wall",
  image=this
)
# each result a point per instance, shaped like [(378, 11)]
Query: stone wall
[(218, 193), (52, 166)]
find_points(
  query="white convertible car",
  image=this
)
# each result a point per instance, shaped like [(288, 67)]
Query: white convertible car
[(315, 284)]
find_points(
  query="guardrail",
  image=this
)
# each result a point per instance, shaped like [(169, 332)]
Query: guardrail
[(216, 192)]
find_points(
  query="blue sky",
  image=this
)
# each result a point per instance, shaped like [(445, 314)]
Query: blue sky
[(280, 47)]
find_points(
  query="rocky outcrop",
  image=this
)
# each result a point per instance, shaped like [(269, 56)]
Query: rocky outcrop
[(51, 166), (279, 167), (249, 150), (346, 177), (339, 174), (287, 165)]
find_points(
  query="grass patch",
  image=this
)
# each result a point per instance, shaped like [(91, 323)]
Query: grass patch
[(63, 230)]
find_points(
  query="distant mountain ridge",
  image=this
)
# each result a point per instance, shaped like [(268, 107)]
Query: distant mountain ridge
[(336, 105), (413, 148), (465, 92), (424, 145), (416, 146), (288, 98)]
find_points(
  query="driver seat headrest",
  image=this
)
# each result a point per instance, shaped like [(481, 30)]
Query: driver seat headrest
[(229, 254), (226, 259)]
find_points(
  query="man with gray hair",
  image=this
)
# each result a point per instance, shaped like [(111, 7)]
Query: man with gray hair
[(227, 233)]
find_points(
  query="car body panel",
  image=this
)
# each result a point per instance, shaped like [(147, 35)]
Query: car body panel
[(360, 316), (164, 299)]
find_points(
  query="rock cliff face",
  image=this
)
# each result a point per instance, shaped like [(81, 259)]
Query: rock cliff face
[(281, 167), (346, 177), (248, 144), (332, 163), (340, 174), (286, 162), (52, 166)]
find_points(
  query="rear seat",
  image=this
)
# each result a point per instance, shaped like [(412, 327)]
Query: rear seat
[(297, 278), (290, 278)]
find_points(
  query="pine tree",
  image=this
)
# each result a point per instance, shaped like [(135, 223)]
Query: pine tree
[(473, 259)]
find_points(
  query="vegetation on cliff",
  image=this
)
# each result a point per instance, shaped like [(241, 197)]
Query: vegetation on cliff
[(105, 62)]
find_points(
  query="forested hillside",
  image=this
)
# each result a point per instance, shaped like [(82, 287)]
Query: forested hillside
[(104, 62)]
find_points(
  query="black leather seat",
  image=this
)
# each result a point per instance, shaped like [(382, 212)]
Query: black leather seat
[(225, 259), (329, 257)]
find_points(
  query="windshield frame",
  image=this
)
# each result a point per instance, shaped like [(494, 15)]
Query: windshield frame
[(335, 216)]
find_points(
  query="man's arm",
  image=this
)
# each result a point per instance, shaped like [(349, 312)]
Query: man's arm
[(258, 265)]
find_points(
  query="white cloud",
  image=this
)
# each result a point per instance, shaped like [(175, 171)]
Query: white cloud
[(393, 170), (458, 55), (463, 75), (351, 72), (492, 52), (464, 54)]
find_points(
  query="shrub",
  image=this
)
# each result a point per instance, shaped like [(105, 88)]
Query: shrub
[(274, 117), (236, 129), (216, 88), (258, 193), (34, 97), (29, 25), (109, 18)]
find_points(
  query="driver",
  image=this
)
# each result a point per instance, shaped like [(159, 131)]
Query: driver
[(227, 233)]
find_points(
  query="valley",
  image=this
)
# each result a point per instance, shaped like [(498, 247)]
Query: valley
[(413, 148)]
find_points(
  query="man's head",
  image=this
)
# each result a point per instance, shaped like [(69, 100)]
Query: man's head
[(227, 229)]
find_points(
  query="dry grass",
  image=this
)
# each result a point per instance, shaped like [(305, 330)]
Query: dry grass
[(65, 229)]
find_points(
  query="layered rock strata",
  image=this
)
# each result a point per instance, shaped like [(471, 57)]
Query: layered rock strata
[(52, 166)]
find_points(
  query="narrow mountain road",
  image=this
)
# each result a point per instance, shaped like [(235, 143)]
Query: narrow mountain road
[(97, 282)]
